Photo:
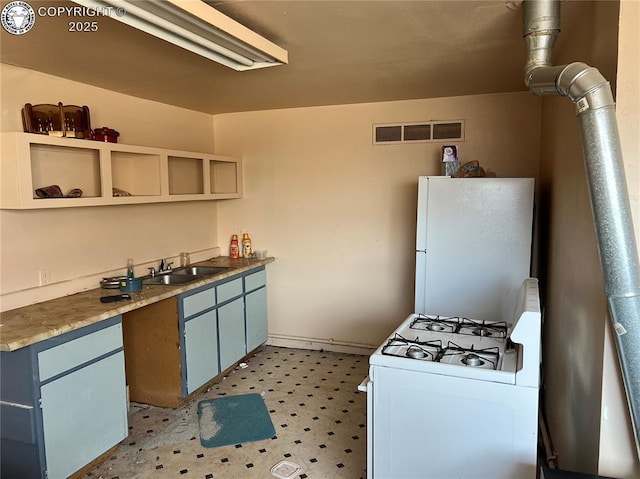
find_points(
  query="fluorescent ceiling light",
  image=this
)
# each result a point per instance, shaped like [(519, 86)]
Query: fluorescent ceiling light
[(197, 27)]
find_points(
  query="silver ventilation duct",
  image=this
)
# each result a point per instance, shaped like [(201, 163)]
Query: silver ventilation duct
[(591, 93)]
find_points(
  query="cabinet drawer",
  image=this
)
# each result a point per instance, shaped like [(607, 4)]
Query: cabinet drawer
[(229, 290), (18, 422), (255, 280), (71, 354), (196, 303)]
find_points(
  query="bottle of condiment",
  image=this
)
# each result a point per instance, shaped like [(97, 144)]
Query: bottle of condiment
[(234, 249), (246, 245)]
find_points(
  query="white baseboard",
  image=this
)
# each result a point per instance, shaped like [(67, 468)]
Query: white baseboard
[(320, 344)]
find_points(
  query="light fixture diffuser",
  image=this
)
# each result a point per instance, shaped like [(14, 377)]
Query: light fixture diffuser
[(197, 27)]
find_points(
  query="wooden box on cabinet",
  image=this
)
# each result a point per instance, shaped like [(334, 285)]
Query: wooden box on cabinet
[(57, 120)]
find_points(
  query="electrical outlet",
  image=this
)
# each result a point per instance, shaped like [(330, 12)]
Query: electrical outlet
[(44, 277)]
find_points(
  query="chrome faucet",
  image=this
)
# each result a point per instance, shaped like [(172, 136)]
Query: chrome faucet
[(164, 266)]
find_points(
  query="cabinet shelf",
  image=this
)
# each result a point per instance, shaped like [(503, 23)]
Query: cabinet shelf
[(186, 176), (109, 173)]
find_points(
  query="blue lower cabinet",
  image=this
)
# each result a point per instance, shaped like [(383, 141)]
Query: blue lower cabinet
[(256, 318), (78, 427), (255, 299), (63, 402), (201, 350), (231, 333)]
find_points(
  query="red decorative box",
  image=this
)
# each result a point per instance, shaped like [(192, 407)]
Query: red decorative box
[(105, 134)]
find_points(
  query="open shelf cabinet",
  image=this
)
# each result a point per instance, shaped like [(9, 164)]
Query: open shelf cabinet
[(109, 173)]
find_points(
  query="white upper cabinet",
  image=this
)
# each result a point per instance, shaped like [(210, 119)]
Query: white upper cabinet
[(38, 171)]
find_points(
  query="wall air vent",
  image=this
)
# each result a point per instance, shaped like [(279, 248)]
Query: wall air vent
[(427, 131), (447, 131), (388, 134)]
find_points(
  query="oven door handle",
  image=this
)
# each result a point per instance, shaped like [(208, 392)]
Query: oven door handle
[(362, 387)]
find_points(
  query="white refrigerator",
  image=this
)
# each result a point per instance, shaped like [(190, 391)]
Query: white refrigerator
[(473, 245)]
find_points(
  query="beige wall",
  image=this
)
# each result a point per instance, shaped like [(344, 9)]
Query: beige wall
[(140, 122), (618, 456), (80, 245), (339, 214), (573, 294), (585, 410)]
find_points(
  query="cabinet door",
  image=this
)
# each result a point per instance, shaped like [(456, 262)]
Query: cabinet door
[(256, 317), (84, 414), (231, 332), (201, 350)]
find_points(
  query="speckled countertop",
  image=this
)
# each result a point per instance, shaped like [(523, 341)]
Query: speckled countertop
[(30, 324)]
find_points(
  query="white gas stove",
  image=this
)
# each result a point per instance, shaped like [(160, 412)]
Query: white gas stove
[(473, 385)]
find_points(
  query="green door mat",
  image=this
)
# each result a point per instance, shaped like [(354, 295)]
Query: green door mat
[(234, 420)]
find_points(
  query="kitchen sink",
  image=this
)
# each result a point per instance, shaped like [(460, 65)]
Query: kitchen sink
[(184, 275), (200, 270), (169, 279)]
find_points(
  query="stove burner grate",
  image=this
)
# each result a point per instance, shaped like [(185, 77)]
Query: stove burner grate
[(460, 325), (437, 324), (402, 347), (490, 329), (471, 357), (435, 351)]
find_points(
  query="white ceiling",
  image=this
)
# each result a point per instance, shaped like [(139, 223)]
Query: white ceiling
[(339, 52)]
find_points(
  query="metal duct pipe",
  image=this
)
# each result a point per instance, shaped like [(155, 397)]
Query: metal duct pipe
[(591, 93), (541, 29)]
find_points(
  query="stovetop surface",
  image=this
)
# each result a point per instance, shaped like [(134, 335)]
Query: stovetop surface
[(464, 348), (452, 345)]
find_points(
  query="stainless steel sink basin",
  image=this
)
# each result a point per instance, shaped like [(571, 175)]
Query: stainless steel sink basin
[(200, 270), (170, 279), (184, 275)]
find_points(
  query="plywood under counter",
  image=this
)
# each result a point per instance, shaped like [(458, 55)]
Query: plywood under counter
[(152, 354)]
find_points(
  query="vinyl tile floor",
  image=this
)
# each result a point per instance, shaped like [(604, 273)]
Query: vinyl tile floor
[(318, 415)]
